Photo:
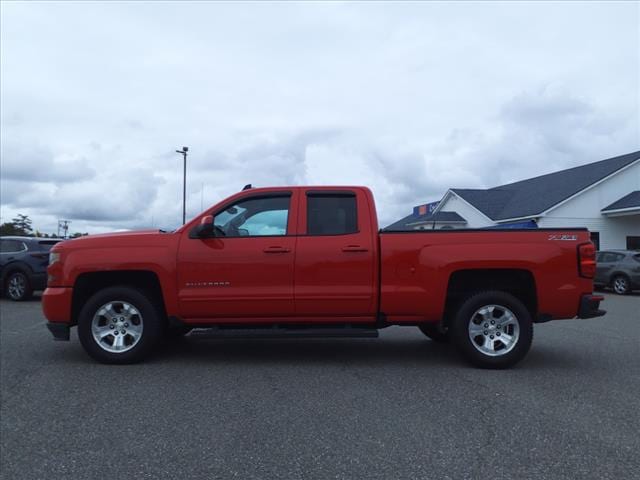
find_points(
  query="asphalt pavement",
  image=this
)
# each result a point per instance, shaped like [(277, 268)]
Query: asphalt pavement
[(396, 407)]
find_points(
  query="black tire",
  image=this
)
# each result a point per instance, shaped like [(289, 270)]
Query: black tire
[(435, 332), (17, 287), (621, 284), (152, 325), (506, 306)]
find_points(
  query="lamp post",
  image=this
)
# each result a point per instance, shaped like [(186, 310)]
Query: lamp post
[(183, 152)]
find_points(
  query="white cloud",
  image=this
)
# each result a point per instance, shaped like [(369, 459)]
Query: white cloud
[(410, 99)]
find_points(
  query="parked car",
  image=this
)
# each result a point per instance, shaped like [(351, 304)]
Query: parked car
[(618, 269), (310, 261), (23, 265)]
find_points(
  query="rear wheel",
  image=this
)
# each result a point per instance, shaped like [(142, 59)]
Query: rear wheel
[(119, 325), (620, 285), (435, 332), (17, 287), (492, 329)]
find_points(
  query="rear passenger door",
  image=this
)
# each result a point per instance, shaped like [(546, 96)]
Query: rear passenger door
[(334, 267)]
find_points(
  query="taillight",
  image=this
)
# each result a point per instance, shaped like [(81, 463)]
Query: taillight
[(587, 260)]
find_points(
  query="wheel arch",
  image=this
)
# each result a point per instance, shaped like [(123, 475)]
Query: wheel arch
[(87, 284), (463, 283), (618, 273)]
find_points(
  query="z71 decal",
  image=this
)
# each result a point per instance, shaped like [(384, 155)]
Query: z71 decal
[(567, 238)]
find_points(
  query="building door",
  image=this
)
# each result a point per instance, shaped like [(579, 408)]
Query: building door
[(595, 238)]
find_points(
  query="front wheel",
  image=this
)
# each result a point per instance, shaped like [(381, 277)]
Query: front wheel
[(119, 325), (492, 329)]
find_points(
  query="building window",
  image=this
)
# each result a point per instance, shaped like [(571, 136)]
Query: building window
[(633, 243), (595, 238)]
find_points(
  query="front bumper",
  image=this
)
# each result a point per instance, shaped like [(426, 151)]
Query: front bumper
[(589, 306), (56, 304)]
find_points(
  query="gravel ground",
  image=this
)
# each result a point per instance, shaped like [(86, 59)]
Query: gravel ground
[(396, 407)]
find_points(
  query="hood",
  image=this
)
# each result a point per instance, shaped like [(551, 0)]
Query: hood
[(116, 239)]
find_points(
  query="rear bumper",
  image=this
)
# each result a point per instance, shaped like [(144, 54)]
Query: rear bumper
[(589, 306)]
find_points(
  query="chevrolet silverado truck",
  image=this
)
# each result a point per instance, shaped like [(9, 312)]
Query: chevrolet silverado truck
[(310, 261)]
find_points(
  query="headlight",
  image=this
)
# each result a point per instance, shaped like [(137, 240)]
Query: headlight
[(54, 257)]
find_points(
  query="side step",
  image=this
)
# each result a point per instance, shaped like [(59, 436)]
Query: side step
[(280, 332)]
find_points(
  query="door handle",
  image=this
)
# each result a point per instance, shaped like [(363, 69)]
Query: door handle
[(354, 248), (276, 250)]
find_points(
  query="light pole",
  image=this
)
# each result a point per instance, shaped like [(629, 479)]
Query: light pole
[(184, 183)]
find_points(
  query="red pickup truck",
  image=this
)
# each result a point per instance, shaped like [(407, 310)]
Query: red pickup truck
[(310, 261)]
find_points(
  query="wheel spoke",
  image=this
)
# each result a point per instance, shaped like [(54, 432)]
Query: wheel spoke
[(118, 342), (134, 329), (103, 332), (506, 339), (475, 329), (488, 344)]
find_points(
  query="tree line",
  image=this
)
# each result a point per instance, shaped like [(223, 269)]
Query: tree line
[(22, 226)]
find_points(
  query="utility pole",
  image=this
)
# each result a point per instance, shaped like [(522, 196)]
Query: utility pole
[(64, 225), (183, 152)]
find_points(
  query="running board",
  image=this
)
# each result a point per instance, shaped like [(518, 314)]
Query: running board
[(337, 332)]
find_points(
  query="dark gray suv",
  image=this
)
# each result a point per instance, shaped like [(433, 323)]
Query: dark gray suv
[(618, 269), (23, 265)]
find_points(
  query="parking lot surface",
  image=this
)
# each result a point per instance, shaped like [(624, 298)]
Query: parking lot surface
[(396, 407)]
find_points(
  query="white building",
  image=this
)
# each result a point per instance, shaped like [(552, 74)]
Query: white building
[(602, 196)]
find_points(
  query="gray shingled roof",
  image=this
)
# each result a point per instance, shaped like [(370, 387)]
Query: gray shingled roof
[(403, 224), (535, 195), (628, 201)]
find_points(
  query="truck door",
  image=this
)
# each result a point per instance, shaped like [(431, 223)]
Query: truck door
[(335, 257), (247, 269)]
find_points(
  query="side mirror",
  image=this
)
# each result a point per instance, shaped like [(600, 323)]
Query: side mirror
[(205, 229)]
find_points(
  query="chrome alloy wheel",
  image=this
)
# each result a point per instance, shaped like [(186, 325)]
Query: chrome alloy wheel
[(117, 326), (620, 285), (17, 286), (494, 330)]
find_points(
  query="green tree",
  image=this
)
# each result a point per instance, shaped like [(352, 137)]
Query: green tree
[(9, 228), (22, 224)]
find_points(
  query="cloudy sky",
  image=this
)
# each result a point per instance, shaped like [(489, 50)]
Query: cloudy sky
[(407, 98)]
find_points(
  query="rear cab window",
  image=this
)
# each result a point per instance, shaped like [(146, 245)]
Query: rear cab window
[(332, 213)]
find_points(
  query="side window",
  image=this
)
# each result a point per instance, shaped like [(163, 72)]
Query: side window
[(331, 214), (254, 217), (599, 257), (617, 257), (12, 246)]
